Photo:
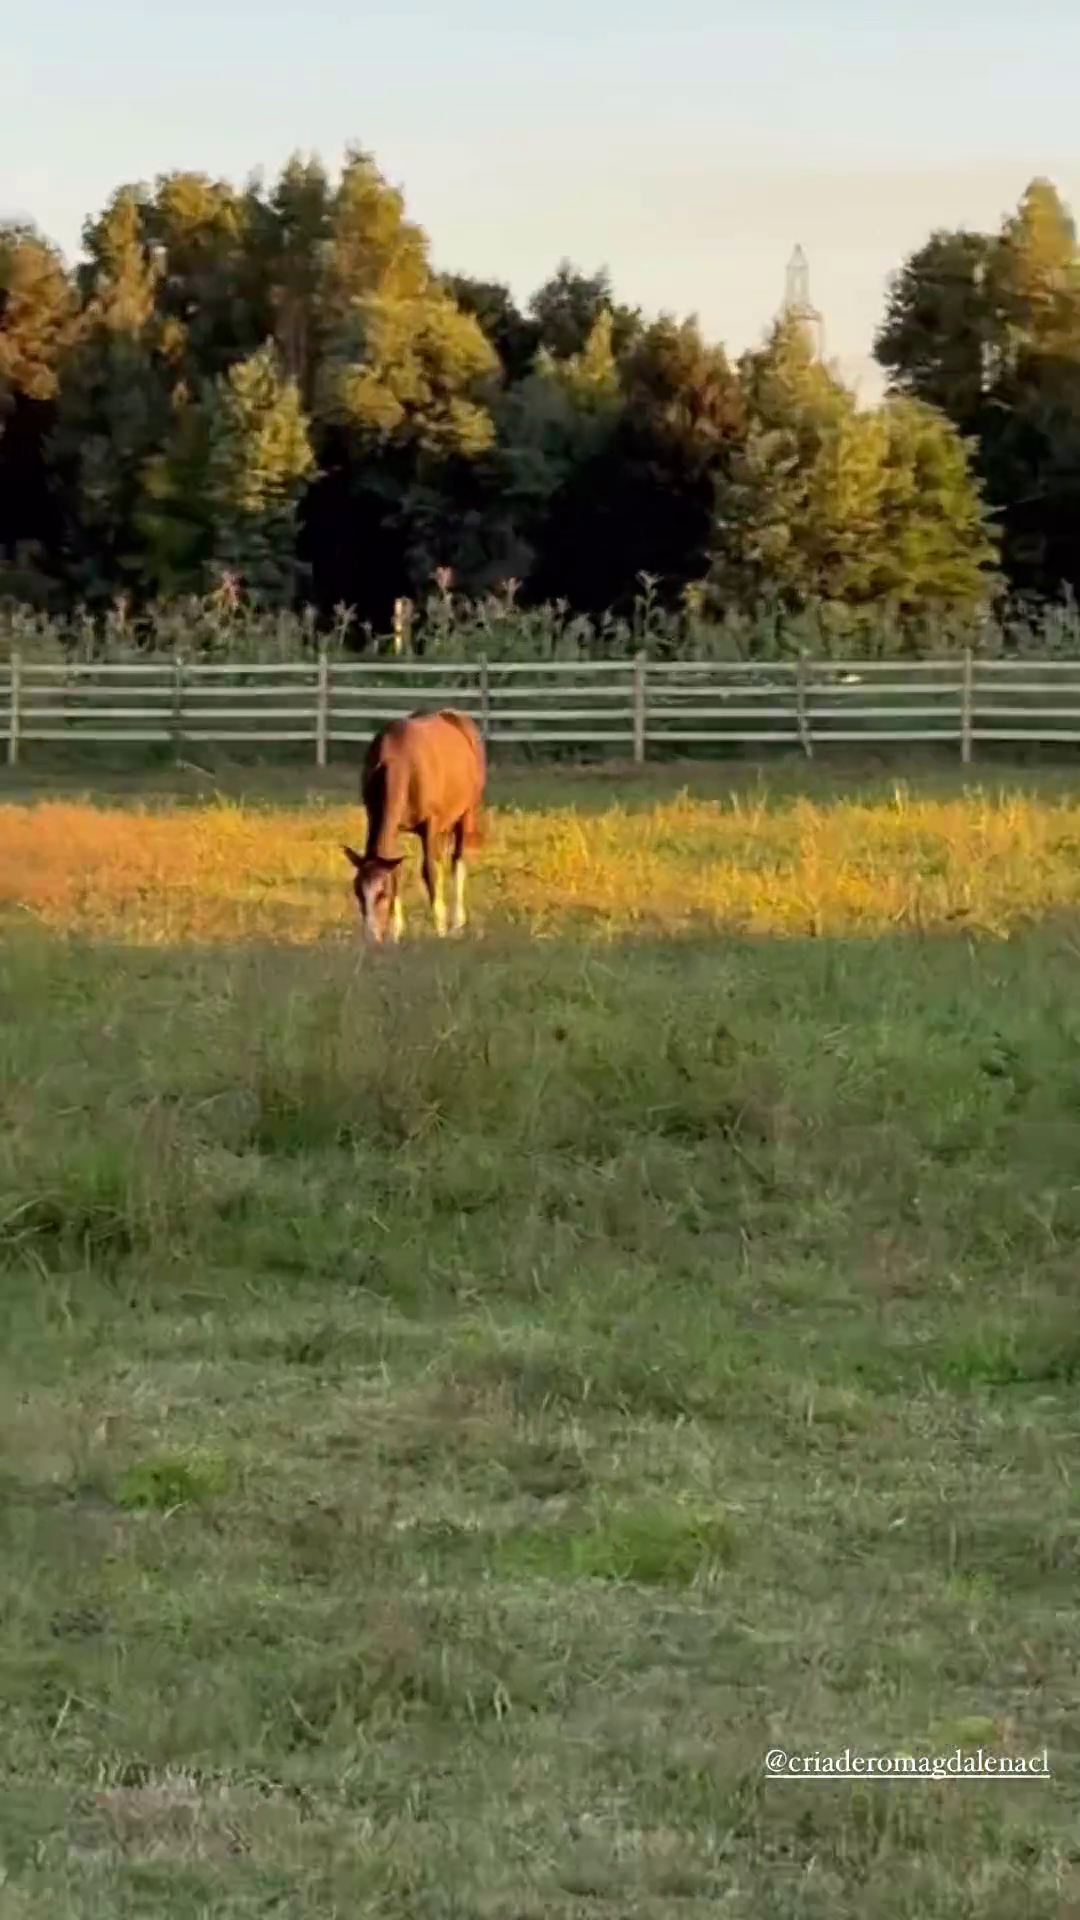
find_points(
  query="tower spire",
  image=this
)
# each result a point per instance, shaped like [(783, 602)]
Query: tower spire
[(797, 302)]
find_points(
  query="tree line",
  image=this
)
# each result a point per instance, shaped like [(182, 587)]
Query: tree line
[(271, 390)]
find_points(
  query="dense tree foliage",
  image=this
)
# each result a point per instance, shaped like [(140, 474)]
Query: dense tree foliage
[(827, 502), (271, 384), (986, 328)]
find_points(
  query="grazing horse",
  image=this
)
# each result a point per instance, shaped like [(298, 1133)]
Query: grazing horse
[(424, 775)]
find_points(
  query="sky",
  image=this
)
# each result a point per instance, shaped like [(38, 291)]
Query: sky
[(686, 145)]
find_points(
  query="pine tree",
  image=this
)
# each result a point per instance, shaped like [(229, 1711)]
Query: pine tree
[(827, 503), (289, 239), (174, 516), (638, 496), (937, 546), (515, 339), (37, 316), (590, 378), (212, 310), (780, 534), (566, 308), (403, 392), (114, 406), (987, 327), (943, 334), (259, 460), (1035, 277), (552, 425), (403, 366)]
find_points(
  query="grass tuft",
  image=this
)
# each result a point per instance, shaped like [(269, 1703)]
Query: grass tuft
[(167, 1484)]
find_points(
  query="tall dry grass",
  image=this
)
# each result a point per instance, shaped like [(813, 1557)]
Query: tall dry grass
[(228, 871), (448, 626)]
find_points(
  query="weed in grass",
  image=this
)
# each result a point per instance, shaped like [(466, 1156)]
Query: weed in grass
[(167, 1484), (663, 1547)]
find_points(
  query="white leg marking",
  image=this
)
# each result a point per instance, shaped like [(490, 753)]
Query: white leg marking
[(438, 905), (459, 896)]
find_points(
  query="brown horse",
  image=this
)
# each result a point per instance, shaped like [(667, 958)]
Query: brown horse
[(424, 775)]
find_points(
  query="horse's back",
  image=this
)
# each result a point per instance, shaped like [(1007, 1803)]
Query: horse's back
[(436, 762)]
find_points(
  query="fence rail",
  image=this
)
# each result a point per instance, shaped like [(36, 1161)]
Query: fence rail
[(629, 705)]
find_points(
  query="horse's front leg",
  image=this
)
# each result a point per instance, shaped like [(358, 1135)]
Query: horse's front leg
[(433, 879), (457, 869)]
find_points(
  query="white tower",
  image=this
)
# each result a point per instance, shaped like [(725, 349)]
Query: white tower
[(797, 302)]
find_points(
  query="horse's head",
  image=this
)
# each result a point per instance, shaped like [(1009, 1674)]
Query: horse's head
[(375, 884)]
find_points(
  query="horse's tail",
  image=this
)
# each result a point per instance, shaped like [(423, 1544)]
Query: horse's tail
[(473, 821), (475, 827), (466, 725)]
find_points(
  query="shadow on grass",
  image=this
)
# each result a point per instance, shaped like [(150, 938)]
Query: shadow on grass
[(722, 1136), (784, 776)]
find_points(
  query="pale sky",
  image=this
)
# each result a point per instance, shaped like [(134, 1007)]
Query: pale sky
[(687, 146)]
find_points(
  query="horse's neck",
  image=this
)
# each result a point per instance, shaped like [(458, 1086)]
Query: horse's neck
[(389, 794)]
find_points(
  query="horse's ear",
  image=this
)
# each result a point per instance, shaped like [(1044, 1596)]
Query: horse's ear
[(353, 857)]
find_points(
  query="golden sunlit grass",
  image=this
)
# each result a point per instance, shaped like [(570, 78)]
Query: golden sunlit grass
[(225, 872)]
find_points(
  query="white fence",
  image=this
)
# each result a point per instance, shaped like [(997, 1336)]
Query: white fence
[(628, 706)]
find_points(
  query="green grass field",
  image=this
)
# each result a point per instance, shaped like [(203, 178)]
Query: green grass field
[(461, 1407)]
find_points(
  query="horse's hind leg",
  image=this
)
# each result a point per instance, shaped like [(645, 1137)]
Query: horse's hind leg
[(457, 868), (433, 880)]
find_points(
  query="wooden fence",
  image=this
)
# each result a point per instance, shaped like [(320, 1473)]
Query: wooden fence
[(626, 706)]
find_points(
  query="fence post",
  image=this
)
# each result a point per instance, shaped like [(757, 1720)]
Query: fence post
[(966, 691), (15, 710), (178, 702), (485, 699), (802, 712), (640, 665), (322, 709), (402, 625)]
